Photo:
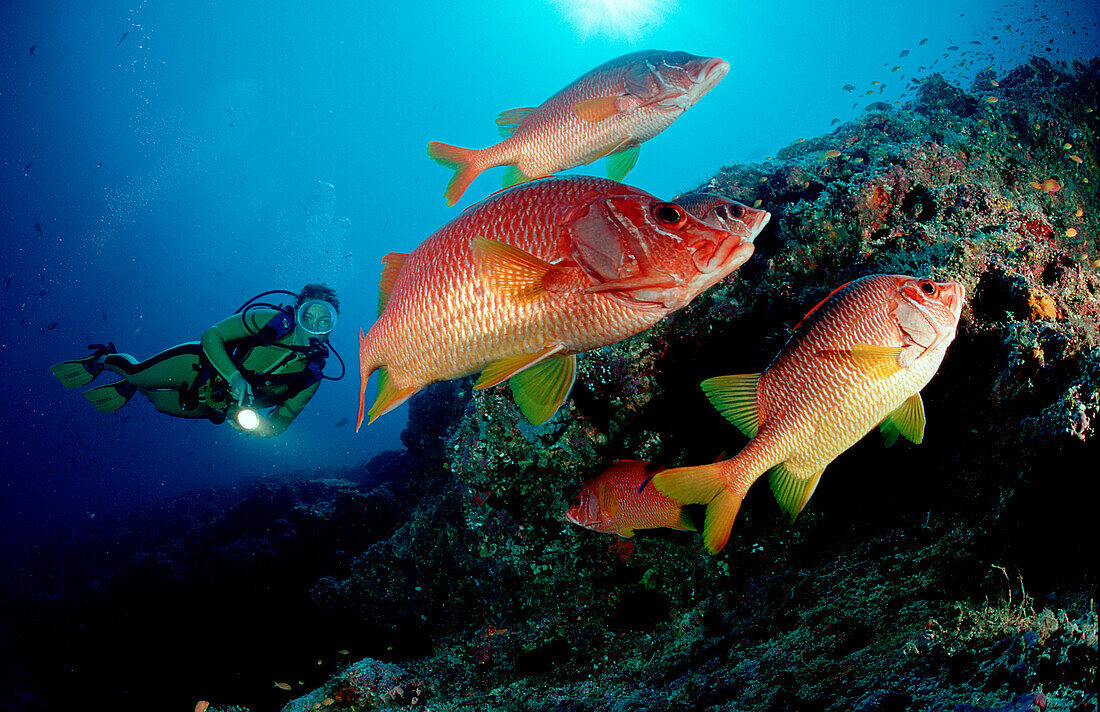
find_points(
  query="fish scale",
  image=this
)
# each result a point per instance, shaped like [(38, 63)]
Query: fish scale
[(442, 322), (846, 369)]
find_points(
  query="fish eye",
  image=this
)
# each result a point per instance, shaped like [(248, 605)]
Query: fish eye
[(736, 210), (577, 501), (928, 287), (669, 214)]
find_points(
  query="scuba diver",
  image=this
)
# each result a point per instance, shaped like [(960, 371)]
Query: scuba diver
[(264, 357)]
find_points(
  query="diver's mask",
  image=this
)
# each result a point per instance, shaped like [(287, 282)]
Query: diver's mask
[(316, 317)]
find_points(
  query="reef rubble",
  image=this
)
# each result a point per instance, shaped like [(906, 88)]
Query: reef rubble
[(955, 575)]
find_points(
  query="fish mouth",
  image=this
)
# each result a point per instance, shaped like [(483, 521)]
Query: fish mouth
[(756, 224), (710, 72)]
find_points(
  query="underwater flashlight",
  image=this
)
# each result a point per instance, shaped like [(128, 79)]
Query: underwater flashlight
[(247, 417)]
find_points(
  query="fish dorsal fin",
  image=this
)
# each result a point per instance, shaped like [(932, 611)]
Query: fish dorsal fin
[(609, 500), (735, 398), (819, 305), (508, 121), (596, 109), (389, 395), (907, 420), (513, 176), (876, 361), (792, 492), (540, 390), (391, 265), (620, 162), (508, 270), (502, 369)]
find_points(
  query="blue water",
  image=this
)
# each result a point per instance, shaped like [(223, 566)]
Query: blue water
[(223, 149)]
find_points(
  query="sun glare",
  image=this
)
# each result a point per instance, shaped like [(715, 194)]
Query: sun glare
[(614, 19)]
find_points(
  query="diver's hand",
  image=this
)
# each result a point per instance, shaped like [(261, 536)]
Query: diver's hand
[(239, 388)]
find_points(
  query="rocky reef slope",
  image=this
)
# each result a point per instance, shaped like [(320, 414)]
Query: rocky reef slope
[(954, 575)]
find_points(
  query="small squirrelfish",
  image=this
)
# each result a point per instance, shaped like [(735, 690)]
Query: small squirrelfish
[(520, 283), (609, 111), (858, 359), (722, 212), (622, 499)]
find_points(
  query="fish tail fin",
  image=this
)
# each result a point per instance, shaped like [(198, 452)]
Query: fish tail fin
[(366, 368), (709, 485), (459, 159)]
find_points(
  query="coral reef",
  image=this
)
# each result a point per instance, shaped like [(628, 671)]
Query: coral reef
[(954, 575)]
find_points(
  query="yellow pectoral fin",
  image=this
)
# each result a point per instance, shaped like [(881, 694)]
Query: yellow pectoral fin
[(503, 369), (596, 109), (907, 420), (877, 361), (540, 390), (792, 492), (505, 269), (735, 398), (609, 501)]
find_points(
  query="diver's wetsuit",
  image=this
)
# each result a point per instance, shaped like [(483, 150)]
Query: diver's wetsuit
[(168, 379)]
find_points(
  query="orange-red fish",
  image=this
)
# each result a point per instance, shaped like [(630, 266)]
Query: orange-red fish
[(832, 153), (520, 283), (609, 111), (622, 499), (722, 212), (1051, 186), (858, 359)]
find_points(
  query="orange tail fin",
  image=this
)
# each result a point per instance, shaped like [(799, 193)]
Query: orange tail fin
[(366, 368), (462, 161), (707, 485)]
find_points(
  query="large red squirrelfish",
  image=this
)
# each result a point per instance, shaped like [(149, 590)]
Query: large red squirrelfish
[(520, 283), (609, 111), (622, 499), (859, 359)]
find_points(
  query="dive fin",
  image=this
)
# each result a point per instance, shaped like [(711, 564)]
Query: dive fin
[(541, 389), (389, 395), (391, 266), (76, 373), (596, 109), (704, 485), (508, 121), (790, 491), (509, 270), (502, 369), (620, 162), (735, 398), (907, 420), (461, 160), (111, 397)]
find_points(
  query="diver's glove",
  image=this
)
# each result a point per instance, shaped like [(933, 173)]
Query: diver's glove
[(239, 388)]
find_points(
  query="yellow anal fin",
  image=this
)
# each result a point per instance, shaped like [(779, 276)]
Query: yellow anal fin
[(508, 121), (704, 485), (907, 420), (621, 162), (513, 176), (389, 395), (541, 389), (503, 369), (597, 108), (391, 266), (735, 398), (792, 492), (508, 270)]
